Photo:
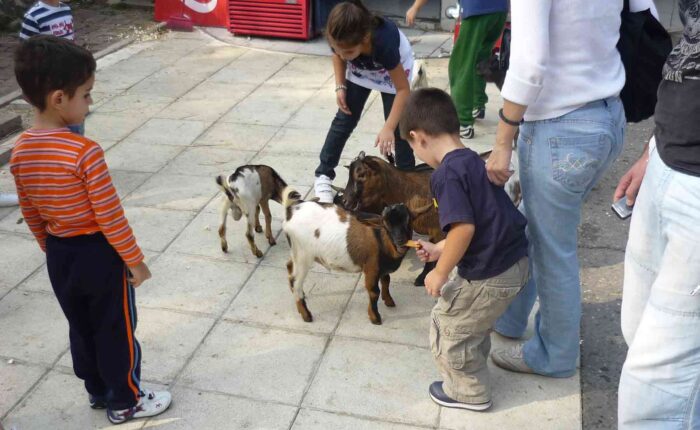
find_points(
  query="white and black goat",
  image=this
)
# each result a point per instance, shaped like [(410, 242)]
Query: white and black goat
[(246, 191), (345, 241)]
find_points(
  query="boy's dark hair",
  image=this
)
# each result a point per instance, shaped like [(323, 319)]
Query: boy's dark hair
[(349, 22), (430, 110), (48, 63)]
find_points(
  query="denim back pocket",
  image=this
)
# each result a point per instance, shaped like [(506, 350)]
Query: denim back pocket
[(576, 160)]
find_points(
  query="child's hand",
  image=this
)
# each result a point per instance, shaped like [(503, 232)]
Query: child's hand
[(434, 282), (428, 251), (340, 99), (139, 274), (385, 141)]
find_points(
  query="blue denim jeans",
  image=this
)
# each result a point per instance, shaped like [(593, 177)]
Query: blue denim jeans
[(561, 159), (660, 381)]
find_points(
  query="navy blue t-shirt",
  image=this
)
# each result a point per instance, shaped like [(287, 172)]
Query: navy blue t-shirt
[(482, 7), (385, 48), (464, 194)]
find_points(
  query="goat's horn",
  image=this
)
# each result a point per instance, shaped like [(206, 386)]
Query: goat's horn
[(337, 189), (422, 210), (361, 156)]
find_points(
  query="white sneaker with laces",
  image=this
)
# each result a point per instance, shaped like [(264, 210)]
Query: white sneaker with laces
[(150, 404), (323, 189), (466, 132)]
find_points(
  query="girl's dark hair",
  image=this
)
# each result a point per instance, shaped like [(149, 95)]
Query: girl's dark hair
[(47, 63), (349, 22)]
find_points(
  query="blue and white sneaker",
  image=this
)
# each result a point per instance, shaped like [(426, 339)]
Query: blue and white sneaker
[(442, 399), (150, 404)]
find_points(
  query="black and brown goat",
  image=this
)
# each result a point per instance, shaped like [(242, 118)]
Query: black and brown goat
[(345, 241), (246, 191)]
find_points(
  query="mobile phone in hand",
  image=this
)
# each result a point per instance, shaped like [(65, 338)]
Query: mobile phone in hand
[(621, 209)]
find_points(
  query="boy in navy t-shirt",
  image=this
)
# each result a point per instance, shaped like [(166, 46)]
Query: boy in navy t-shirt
[(481, 265)]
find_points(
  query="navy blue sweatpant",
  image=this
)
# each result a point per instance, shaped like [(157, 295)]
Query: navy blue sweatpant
[(90, 282)]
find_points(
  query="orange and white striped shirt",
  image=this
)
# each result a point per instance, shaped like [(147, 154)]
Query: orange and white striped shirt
[(65, 190)]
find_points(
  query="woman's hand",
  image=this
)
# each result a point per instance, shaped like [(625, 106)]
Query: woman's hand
[(411, 15), (498, 166), (385, 141), (340, 99)]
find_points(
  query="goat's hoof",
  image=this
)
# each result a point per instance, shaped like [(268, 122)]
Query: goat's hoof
[(224, 248), (307, 318), (272, 241), (258, 228), (390, 303), (376, 321), (258, 253)]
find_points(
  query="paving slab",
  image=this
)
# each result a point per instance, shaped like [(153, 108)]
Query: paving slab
[(375, 379), (168, 132), (15, 380), (196, 409), (155, 228), (176, 192), (129, 104), (258, 363), (319, 420), (208, 162), (135, 156), (253, 67), (111, 127), (266, 300), (20, 256), (172, 287), (32, 327), (232, 135), (268, 105)]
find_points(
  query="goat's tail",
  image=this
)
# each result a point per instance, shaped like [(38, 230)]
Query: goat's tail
[(223, 184), (290, 196)]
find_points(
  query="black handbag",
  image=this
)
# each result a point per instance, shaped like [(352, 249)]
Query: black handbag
[(644, 45)]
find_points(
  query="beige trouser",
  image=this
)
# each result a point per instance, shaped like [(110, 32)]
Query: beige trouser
[(461, 327)]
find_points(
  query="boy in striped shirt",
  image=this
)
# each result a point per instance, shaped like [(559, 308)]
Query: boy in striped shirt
[(70, 205), (49, 17)]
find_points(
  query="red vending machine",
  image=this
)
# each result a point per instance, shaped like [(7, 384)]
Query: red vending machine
[(208, 13), (289, 19)]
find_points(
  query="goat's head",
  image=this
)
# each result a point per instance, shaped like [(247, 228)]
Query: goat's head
[(365, 182), (223, 183), (396, 219)]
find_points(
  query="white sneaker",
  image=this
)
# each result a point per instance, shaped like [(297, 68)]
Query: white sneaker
[(323, 189), (150, 404), (466, 132)]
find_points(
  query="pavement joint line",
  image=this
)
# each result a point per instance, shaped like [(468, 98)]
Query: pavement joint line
[(16, 286), (369, 418)]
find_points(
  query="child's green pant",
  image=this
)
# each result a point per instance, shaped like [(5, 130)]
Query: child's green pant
[(477, 35)]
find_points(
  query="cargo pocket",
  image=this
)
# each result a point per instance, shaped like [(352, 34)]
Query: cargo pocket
[(453, 348)]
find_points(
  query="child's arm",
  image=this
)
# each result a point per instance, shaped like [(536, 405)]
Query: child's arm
[(458, 239), (413, 11), (30, 27), (31, 216), (430, 251), (106, 205), (339, 67), (385, 138)]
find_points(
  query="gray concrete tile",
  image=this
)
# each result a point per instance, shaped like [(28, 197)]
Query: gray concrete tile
[(60, 402), (169, 82), (268, 105), (136, 156), (298, 141), (267, 300), (517, 399), (202, 410), (15, 380), (298, 168), (255, 362), (208, 161), (237, 136), (253, 67), (378, 380), (318, 420), (407, 323), (168, 132), (156, 228), (111, 127), (130, 104), (194, 284), (125, 182), (201, 237), (177, 192), (20, 255), (32, 327)]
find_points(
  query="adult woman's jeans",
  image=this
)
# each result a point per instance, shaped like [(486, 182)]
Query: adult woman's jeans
[(344, 124), (561, 159), (660, 381)]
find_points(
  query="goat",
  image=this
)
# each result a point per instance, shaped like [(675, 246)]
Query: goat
[(341, 240), (374, 184), (247, 191)]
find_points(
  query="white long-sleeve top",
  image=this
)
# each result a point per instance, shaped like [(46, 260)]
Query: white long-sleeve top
[(564, 55)]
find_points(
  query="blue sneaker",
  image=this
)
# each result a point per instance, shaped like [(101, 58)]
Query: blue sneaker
[(439, 397), (97, 402)]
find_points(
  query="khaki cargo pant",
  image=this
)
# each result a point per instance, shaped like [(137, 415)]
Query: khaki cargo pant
[(461, 327)]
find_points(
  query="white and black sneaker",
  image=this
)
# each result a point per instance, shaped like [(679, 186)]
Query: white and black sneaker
[(323, 189), (438, 396), (151, 403), (466, 132), (479, 112)]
